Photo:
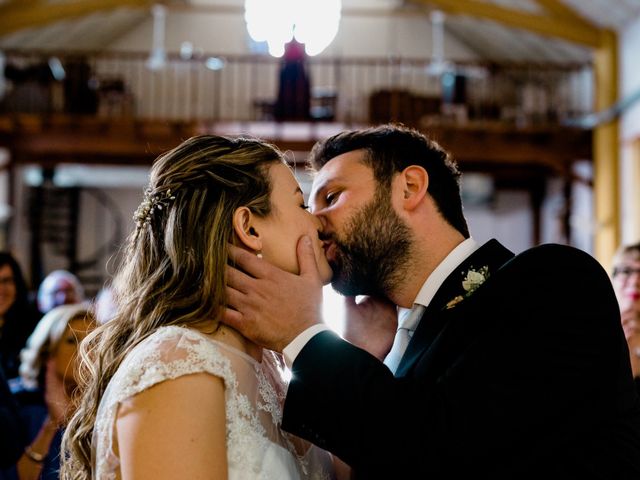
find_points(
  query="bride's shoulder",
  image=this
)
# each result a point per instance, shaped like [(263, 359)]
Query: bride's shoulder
[(172, 343), (168, 353)]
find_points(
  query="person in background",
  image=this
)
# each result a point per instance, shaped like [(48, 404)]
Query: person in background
[(294, 90), (104, 305), (47, 381), (626, 283), (17, 317), (12, 429), (60, 287)]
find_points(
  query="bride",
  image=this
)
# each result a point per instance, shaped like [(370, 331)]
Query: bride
[(166, 391)]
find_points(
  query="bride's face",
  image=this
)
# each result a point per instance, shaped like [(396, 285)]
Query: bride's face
[(288, 221)]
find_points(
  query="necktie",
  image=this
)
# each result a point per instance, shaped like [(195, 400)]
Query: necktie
[(407, 324)]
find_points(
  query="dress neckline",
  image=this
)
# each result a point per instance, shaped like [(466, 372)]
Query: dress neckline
[(226, 346)]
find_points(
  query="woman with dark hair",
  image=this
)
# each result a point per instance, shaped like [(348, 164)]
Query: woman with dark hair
[(17, 317)]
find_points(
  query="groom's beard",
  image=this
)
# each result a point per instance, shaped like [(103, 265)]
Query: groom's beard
[(373, 255)]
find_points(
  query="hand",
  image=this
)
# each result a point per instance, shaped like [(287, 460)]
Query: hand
[(630, 322), (54, 394), (269, 306), (371, 324), (630, 317), (634, 354)]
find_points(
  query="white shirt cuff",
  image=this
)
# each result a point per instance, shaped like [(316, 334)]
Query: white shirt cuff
[(292, 350)]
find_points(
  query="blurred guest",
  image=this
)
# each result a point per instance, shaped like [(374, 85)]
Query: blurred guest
[(12, 429), (46, 383), (17, 317), (626, 282), (294, 89), (104, 306), (60, 287)]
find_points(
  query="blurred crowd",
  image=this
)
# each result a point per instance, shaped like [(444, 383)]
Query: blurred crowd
[(39, 337)]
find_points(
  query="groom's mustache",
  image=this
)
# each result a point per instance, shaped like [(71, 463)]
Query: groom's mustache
[(326, 237), (328, 241)]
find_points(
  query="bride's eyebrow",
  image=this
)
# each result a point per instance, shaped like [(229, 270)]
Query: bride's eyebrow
[(298, 190)]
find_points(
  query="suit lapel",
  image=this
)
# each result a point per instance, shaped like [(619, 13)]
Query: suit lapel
[(491, 255)]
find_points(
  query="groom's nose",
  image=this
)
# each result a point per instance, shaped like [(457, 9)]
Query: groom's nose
[(321, 220)]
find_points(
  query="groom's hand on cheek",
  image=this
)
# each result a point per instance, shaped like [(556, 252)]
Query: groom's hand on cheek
[(268, 305)]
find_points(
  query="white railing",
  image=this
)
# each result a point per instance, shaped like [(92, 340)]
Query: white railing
[(244, 88)]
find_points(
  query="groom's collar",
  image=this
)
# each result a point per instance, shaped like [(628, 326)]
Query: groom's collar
[(444, 269)]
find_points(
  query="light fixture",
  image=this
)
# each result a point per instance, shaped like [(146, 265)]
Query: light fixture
[(215, 63), (311, 22), (158, 56)]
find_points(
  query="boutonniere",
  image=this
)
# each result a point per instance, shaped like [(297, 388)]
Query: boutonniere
[(472, 280)]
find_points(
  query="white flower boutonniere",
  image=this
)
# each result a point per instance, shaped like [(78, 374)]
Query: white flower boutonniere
[(471, 282)]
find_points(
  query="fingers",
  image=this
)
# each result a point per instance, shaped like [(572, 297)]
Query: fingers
[(238, 280), (248, 262), (232, 318), (307, 258), (630, 316)]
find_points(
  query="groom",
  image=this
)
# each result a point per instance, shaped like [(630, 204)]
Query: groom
[(503, 366)]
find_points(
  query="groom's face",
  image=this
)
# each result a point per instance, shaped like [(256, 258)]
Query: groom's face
[(366, 242)]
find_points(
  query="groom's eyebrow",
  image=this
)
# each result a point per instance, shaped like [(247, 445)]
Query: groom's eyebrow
[(315, 193), (321, 187)]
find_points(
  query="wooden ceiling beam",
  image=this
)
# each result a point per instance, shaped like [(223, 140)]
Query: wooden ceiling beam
[(18, 16), (540, 24), (13, 6), (562, 11)]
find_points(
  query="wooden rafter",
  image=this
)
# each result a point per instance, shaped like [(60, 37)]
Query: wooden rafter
[(12, 6), (562, 11), (545, 25), (28, 14)]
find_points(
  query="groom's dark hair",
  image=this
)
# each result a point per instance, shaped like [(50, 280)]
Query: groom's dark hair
[(392, 148)]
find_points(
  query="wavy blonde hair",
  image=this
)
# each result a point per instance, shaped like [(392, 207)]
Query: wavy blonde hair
[(44, 341), (174, 264)]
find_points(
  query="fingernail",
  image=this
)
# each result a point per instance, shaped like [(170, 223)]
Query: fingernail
[(306, 240)]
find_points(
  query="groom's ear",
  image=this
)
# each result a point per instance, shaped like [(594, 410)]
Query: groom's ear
[(245, 229), (415, 182)]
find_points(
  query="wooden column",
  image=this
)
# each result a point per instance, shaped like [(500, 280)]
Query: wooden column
[(634, 194), (606, 151)]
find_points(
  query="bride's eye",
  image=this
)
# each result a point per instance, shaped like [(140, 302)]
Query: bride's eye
[(304, 207)]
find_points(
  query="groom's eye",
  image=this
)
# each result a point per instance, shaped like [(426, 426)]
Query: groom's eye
[(331, 197)]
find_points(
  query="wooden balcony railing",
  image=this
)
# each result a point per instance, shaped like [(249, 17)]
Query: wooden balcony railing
[(245, 88)]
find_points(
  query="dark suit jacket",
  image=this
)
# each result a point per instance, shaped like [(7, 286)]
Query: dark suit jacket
[(527, 377)]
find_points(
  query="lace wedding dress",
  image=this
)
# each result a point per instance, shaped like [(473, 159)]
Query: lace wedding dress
[(254, 394)]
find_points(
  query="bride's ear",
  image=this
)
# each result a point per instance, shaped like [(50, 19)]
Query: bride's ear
[(245, 229)]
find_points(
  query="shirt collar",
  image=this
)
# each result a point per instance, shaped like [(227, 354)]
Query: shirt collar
[(444, 269)]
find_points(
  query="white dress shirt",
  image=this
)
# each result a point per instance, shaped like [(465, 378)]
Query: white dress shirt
[(424, 297)]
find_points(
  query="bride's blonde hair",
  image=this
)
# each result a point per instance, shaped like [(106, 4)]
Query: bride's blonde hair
[(174, 264)]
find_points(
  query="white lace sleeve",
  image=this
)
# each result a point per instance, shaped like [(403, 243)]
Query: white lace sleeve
[(169, 353), (254, 393)]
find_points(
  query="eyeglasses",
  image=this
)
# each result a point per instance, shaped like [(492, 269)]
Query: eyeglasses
[(626, 271)]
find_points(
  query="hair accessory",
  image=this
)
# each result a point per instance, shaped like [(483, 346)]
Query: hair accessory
[(143, 213)]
